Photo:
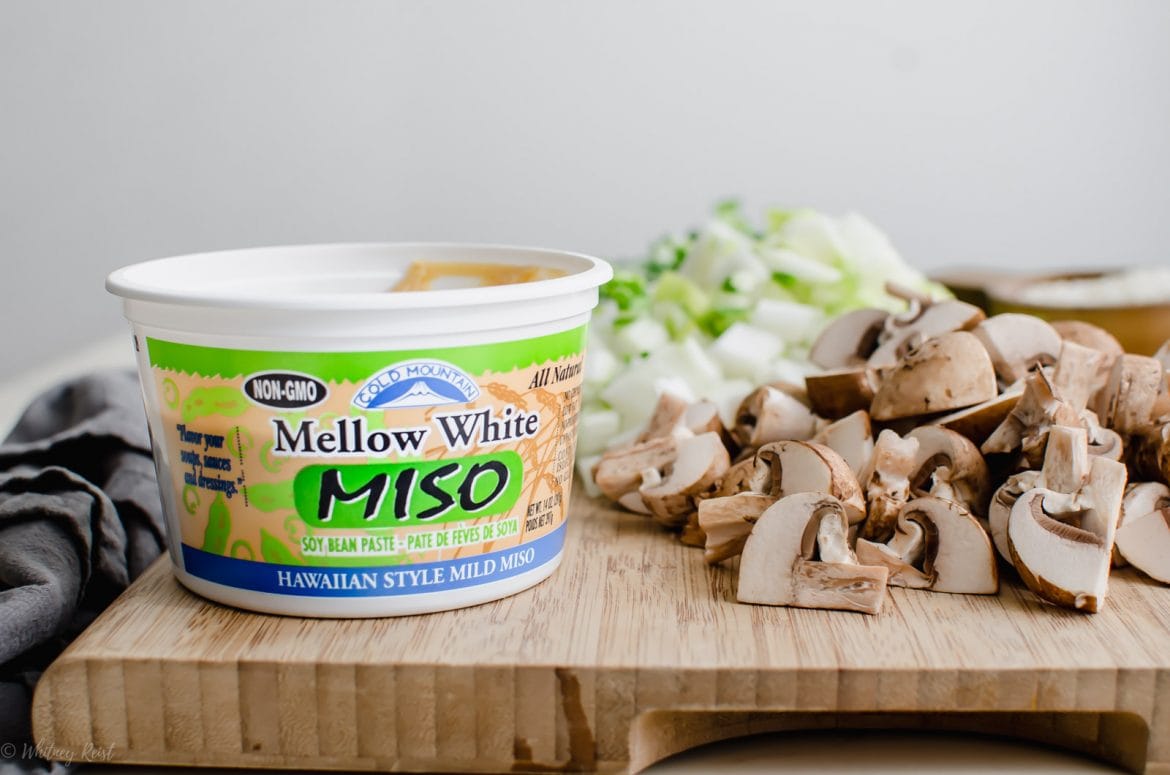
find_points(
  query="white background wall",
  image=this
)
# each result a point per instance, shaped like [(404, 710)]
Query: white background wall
[(1016, 134)]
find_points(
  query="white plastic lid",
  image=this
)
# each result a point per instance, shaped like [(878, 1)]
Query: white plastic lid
[(335, 292), (344, 277)]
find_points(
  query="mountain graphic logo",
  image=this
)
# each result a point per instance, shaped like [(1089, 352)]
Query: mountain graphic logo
[(416, 383)]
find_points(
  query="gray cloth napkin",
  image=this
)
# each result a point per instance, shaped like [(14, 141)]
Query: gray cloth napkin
[(80, 517)]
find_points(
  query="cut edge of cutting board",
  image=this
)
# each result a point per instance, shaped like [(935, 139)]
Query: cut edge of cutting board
[(166, 678)]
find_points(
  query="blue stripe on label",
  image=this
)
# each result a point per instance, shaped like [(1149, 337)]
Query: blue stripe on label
[(376, 581)]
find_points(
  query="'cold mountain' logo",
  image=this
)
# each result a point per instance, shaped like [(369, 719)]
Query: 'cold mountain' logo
[(416, 383)]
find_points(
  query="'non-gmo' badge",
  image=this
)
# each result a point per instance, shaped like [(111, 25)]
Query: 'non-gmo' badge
[(285, 389)]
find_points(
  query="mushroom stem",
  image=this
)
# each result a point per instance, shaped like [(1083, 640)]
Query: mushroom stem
[(839, 586)]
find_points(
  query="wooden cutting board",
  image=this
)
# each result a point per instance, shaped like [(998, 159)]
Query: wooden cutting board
[(632, 651)]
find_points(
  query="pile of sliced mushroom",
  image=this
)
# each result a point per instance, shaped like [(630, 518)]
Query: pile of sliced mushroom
[(933, 440)]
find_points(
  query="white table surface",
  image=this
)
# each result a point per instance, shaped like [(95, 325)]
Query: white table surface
[(820, 753)]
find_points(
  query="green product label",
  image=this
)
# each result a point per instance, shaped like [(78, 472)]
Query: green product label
[(352, 367), (453, 463), (387, 495)]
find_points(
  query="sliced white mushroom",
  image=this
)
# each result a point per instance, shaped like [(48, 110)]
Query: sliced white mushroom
[(1145, 543), (728, 521), (620, 471), (887, 483), (787, 467), (1128, 398), (1060, 563), (834, 394), (949, 466), (905, 332), (1017, 344), (956, 554), (798, 555), (768, 414), (849, 339), (1141, 498), (949, 372), (850, 437), (1061, 544), (1067, 467), (700, 463)]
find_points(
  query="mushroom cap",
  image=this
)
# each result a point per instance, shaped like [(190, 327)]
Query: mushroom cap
[(780, 566), (1017, 343), (1128, 398), (958, 556), (784, 468), (1060, 563), (949, 372), (768, 414), (835, 394), (903, 333), (1145, 543), (979, 421), (1089, 335), (849, 339), (958, 468), (850, 437)]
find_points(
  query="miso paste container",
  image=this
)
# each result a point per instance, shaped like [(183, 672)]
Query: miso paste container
[(329, 446)]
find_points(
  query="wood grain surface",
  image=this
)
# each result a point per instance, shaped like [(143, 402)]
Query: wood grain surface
[(632, 651)]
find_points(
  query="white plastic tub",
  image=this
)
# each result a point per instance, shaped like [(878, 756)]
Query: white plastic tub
[(326, 447)]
